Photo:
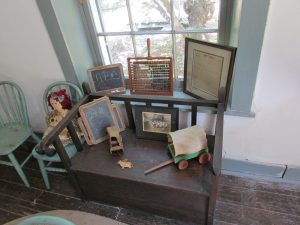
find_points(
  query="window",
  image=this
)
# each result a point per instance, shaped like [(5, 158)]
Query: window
[(122, 27)]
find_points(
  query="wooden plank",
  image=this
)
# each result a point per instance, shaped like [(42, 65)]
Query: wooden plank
[(159, 99), (194, 115), (139, 151), (67, 163), (6, 216), (46, 141), (162, 200), (217, 155), (230, 213), (272, 201), (128, 108), (74, 136), (266, 217), (212, 200)]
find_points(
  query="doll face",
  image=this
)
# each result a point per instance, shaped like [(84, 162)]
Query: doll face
[(56, 105)]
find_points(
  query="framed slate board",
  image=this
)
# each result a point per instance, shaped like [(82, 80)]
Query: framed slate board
[(119, 117), (107, 79), (96, 117)]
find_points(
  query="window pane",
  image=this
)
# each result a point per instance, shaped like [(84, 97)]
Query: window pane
[(196, 14), (114, 15), (179, 60), (160, 45), (120, 48), (151, 15)]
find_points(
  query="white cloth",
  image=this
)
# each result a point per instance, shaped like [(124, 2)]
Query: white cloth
[(188, 140)]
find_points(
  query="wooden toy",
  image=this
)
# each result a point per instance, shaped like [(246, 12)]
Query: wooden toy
[(184, 145), (125, 164), (115, 139)]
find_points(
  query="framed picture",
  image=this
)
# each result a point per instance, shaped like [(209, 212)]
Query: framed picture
[(96, 117), (155, 122), (119, 117), (107, 79), (207, 68)]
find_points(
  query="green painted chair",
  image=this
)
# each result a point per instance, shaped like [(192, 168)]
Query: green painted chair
[(45, 162), (15, 128)]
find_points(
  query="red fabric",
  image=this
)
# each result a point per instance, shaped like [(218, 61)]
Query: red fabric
[(62, 97)]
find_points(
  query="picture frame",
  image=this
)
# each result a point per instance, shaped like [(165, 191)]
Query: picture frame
[(154, 122), (119, 117), (96, 117), (207, 68), (107, 79)]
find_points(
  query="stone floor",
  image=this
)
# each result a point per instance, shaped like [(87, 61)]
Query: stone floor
[(241, 200)]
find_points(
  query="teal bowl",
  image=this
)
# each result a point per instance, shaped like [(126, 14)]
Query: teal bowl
[(46, 220)]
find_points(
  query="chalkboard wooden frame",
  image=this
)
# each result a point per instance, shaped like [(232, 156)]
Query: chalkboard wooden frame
[(101, 116), (98, 79), (119, 117)]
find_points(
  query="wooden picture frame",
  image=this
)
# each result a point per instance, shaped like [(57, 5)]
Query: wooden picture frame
[(96, 117), (153, 122), (207, 68), (107, 79), (119, 117)]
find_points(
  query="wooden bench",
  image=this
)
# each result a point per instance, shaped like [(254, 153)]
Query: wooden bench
[(188, 195)]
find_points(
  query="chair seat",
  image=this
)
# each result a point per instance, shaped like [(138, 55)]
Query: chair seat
[(12, 136), (70, 149)]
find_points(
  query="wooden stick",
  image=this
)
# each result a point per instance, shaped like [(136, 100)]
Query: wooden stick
[(148, 46), (163, 164)]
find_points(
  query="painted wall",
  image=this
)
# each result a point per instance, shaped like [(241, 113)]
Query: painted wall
[(273, 135), (26, 54), (70, 22)]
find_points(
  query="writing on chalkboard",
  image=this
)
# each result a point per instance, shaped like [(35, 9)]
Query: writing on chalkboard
[(107, 79), (96, 117)]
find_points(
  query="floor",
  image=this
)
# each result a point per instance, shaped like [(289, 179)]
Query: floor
[(241, 200)]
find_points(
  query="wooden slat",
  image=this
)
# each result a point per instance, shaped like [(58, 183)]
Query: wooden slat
[(159, 99), (217, 154), (194, 115), (62, 124), (67, 163), (62, 153), (74, 136), (129, 115)]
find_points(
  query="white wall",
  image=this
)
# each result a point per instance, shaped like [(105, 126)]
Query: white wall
[(26, 54), (273, 135)]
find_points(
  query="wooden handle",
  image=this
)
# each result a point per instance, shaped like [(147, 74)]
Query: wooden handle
[(163, 164), (148, 46)]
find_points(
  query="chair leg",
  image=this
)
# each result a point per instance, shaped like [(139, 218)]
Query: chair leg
[(18, 169), (35, 137), (44, 172)]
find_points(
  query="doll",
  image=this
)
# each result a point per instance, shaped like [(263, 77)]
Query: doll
[(59, 102)]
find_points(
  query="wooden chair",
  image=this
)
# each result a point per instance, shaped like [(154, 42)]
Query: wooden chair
[(75, 94), (15, 128)]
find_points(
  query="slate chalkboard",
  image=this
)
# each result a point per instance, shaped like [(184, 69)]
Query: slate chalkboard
[(107, 79), (119, 117), (97, 116)]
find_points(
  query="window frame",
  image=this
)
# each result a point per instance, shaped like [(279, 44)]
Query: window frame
[(222, 31), (246, 64)]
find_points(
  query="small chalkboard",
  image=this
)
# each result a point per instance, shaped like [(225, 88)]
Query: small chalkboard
[(119, 117), (107, 79), (97, 116)]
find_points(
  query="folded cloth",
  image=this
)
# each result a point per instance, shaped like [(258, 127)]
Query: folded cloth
[(188, 140)]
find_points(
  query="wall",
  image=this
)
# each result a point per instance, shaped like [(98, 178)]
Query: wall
[(70, 22), (272, 136), (27, 56)]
